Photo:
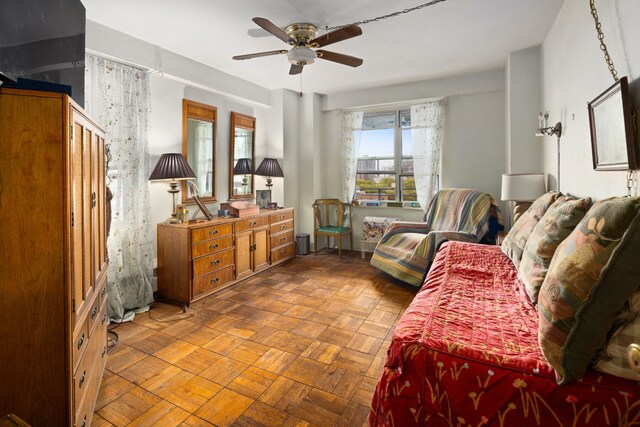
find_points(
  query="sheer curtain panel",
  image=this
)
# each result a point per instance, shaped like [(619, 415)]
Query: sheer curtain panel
[(117, 96), (427, 121), (351, 131)]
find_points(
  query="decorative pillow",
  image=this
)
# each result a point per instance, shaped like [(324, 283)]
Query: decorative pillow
[(514, 242), (591, 275), (612, 359), (554, 226)]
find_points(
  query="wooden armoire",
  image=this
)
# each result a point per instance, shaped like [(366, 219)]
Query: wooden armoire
[(53, 269)]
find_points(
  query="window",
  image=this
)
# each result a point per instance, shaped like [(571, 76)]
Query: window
[(385, 162)]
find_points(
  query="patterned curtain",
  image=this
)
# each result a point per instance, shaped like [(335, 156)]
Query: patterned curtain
[(350, 137), (117, 96), (427, 122)]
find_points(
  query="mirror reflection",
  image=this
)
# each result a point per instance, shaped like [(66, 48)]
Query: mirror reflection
[(242, 159), (198, 147)]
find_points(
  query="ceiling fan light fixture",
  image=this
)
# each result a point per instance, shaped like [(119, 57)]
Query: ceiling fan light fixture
[(301, 55)]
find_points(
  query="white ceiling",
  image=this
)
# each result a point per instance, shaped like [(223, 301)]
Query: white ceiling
[(449, 38)]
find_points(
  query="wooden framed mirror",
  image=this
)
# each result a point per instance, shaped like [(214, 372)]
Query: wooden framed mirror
[(199, 148), (243, 134)]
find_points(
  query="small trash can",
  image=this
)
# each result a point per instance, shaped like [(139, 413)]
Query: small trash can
[(302, 242)]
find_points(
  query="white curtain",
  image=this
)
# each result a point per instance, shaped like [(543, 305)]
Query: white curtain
[(426, 138), (117, 96), (350, 136)]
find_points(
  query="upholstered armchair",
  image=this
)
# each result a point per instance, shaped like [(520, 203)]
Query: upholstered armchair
[(406, 249)]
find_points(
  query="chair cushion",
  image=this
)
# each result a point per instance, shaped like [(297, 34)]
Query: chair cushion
[(554, 226), (515, 241), (333, 229), (591, 275)]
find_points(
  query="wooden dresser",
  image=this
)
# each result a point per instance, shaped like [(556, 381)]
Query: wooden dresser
[(197, 259), (53, 301)]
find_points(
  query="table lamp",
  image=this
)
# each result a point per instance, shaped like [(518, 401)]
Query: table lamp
[(269, 168), (243, 167), (172, 167), (522, 188)]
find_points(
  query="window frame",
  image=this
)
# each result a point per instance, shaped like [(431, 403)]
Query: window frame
[(397, 156)]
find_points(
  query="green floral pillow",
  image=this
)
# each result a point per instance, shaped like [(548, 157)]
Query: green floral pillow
[(592, 274), (514, 242), (555, 225)]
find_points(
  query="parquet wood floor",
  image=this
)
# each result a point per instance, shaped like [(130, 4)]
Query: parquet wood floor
[(302, 344)]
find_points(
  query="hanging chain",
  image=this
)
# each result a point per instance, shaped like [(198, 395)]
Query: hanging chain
[(391, 15), (632, 182), (603, 47)]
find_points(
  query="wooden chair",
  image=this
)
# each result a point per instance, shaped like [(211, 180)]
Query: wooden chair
[(331, 218)]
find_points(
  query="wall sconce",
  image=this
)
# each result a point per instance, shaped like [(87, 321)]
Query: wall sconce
[(543, 126)]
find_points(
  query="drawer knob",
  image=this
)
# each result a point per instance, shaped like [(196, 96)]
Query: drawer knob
[(214, 246), (283, 227), (94, 312), (104, 318), (80, 341), (84, 421), (253, 223), (104, 352), (282, 239), (104, 291), (82, 378), (216, 262), (213, 232), (214, 281), (282, 216), (283, 252)]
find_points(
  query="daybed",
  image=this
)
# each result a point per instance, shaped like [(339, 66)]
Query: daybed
[(472, 349)]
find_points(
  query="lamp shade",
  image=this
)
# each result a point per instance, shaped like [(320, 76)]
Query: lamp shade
[(523, 187), (172, 166), (269, 167), (243, 167)]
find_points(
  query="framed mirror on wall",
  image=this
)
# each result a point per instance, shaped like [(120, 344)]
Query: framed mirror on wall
[(199, 148), (243, 133)]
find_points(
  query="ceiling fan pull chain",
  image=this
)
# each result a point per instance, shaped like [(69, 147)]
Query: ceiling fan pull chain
[(390, 15)]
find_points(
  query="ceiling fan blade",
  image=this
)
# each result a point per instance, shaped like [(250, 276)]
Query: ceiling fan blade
[(273, 29), (340, 58), (295, 69), (259, 54), (335, 36)]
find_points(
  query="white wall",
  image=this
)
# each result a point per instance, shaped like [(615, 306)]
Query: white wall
[(574, 73)]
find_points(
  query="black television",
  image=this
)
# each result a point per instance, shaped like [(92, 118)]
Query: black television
[(43, 41)]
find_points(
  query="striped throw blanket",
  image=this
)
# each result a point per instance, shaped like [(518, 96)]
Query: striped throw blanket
[(407, 248)]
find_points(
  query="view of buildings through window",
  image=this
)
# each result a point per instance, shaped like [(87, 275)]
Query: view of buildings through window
[(385, 164)]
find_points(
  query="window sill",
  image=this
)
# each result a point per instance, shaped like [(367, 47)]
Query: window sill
[(404, 207)]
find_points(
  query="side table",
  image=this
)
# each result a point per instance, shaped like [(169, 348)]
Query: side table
[(373, 227)]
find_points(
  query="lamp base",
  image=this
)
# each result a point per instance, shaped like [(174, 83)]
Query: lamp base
[(173, 220), (520, 208)]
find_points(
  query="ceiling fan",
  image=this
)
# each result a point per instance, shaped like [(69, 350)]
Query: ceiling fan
[(302, 36)]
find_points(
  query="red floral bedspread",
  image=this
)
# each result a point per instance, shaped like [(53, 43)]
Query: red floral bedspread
[(465, 353)]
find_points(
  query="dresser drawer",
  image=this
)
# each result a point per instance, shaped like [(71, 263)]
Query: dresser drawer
[(281, 216), (283, 252), (213, 231), (281, 238), (211, 246), (79, 344), (213, 262), (250, 223), (281, 226), (208, 283)]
